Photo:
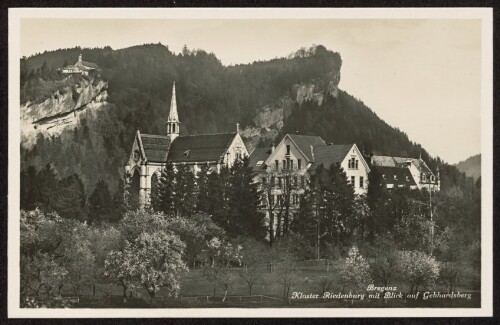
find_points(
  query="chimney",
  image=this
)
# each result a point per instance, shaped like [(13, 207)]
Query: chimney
[(371, 158), (80, 58), (272, 147), (237, 127)]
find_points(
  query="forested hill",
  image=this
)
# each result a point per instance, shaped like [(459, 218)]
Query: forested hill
[(297, 93), (471, 166)]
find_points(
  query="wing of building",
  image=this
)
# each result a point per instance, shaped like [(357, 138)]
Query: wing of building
[(406, 172), (150, 154)]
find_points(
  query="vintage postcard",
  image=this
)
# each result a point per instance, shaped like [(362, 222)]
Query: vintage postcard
[(250, 162)]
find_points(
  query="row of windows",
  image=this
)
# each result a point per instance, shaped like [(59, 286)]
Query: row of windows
[(352, 163), (279, 199), (288, 164), (279, 181), (361, 181)]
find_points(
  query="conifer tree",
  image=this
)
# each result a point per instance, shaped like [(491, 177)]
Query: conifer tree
[(71, 200), (164, 200), (100, 203), (203, 196), (245, 195), (185, 191)]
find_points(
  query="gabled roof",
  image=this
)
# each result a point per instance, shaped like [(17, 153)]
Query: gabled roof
[(388, 161), (86, 64), (155, 147), (259, 155), (403, 175), (327, 155), (305, 143), (200, 148)]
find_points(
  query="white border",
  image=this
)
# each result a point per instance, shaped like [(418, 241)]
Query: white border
[(484, 14)]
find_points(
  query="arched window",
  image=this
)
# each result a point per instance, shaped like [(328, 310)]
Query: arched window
[(173, 127), (134, 189), (154, 191)]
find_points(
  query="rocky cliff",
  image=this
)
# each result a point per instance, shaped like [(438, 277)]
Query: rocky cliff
[(62, 109), (270, 118)]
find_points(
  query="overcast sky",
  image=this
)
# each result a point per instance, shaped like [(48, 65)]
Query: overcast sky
[(422, 76)]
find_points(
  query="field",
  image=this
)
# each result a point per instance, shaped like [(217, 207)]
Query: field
[(308, 278)]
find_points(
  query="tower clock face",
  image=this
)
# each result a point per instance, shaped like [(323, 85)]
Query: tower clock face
[(136, 155)]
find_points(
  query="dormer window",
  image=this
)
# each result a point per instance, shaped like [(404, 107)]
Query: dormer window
[(186, 153), (395, 177), (260, 162)]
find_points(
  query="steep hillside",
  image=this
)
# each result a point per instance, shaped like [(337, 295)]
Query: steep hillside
[(471, 166), (299, 93)]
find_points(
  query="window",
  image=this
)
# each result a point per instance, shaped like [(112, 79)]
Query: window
[(277, 164), (279, 181), (273, 181), (173, 129), (291, 164), (299, 163), (356, 164), (295, 181), (361, 182), (287, 149), (272, 200), (264, 180), (288, 163), (353, 180), (303, 180), (284, 164)]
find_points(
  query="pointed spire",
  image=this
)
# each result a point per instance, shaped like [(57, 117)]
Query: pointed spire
[(172, 116)]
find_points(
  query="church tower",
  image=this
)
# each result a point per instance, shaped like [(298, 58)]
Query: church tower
[(173, 124)]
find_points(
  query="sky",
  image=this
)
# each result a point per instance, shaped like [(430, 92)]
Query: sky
[(422, 76)]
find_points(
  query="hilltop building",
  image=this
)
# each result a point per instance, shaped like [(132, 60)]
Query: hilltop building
[(150, 154), (81, 67)]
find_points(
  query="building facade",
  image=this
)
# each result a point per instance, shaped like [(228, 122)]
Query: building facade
[(81, 67), (150, 154), (413, 173)]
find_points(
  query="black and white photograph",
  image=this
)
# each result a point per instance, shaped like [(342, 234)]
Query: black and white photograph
[(258, 162)]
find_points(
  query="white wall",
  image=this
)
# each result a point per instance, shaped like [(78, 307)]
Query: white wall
[(362, 171)]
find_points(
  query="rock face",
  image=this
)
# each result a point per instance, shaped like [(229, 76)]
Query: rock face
[(270, 118), (61, 110)]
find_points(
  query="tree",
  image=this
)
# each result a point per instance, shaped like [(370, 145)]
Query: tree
[(246, 218), (101, 203), (253, 253), (71, 200), (204, 196), (184, 191), (157, 261), (195, 232), (418, 269), (355, 271), (164, 200), (221, 254)]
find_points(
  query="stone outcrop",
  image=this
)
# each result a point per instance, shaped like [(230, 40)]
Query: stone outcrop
[(270, 118), (61, 110)]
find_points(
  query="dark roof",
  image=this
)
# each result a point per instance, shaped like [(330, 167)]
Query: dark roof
[(259, 154), (304, 142), (200, 148), (327, 155), (403, 175), (155, 147)]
